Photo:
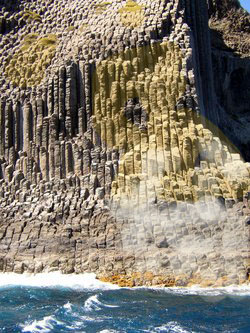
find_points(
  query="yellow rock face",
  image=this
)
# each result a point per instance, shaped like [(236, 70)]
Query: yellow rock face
[(151, 279), (139, 279), (131, 14), (169, 155), (27, 67)]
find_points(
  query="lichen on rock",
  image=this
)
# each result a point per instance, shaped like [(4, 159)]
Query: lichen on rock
[(29, 16), (132, 14), (27, 67), (101, 7)]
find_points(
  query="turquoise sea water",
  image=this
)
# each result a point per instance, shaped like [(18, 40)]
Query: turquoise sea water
[(95, 307)]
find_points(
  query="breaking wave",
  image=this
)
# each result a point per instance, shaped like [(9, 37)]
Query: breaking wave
[(88, 281), (243, 290), (171, 327), (93, 303), (44, 325), (55, 279)]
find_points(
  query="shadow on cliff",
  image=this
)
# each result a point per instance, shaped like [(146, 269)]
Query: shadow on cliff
[(218, 42), (231, 74), (10, 6)]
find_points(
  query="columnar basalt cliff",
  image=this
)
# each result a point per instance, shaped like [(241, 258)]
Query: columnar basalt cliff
[(114, 152)]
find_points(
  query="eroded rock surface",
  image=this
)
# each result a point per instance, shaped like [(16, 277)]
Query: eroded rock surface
[(110, 159)]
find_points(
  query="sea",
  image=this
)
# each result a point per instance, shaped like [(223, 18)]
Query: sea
[(56, 303)]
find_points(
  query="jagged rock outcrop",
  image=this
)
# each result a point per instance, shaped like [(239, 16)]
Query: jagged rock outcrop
[(230, 25), (112, 157), (230, 36)]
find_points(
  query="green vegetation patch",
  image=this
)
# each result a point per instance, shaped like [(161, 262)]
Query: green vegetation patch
[(28, 41), (71, 28), (101, 7), (30, 16), (132, 14), (131, 7), (27, 67)]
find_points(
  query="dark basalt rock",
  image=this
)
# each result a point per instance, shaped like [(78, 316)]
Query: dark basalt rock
[(116, 152)]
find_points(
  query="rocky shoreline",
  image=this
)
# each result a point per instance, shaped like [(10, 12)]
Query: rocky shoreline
[(148, 279), (92, 240)]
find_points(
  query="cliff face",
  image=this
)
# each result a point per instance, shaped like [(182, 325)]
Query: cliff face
[(230, 35), (113, 157)]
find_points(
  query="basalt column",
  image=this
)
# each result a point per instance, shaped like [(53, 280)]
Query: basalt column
[(196, 16)]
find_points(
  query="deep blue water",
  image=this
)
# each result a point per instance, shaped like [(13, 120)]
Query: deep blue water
[(61, 309)]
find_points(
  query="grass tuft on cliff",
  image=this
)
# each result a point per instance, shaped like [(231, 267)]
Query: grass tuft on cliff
[(132, 14), (130, 7), (30, 16), (27, 67)]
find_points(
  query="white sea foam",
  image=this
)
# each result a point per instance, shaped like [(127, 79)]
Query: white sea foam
[(243, 290), (110, 306), (44, 325), (92, 303), (170, 327), (55, 279), (89, 281)]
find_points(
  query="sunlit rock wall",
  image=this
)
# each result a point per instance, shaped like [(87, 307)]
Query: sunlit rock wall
[(111, 158)]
